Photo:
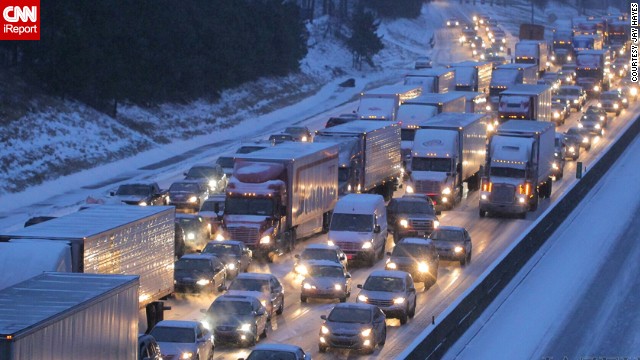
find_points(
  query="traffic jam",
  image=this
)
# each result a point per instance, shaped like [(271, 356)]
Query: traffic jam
[(350, 239)]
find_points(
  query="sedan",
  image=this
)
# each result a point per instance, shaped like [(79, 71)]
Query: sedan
[(301, 133), (611, 101), (188, 194), (453, 243), (577, 136), (418, 257), (276, 139), (235, 255), (560, 112), (602, 114), (266, 287), (196, 231), (278, 351), (591, 124), (198, 272), (353, 326), (183, 340), (319, 252), (213, 174), (236, 319), (453, 22), (392, 291), (325, 279)]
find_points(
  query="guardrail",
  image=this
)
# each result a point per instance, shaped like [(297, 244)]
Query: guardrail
[(454, 321)]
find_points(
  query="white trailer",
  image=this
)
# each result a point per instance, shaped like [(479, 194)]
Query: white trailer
[(21, 260), (473, 76), (519, 167), (526, 102), (70, 316), (533, 52), (383, 103), (409, 117), (507, 75), (434, 80), (475, 102), (448, 150), (448, 102), (116, 239)]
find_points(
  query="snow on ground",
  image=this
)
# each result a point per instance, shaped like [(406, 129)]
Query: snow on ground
[(530, 312)]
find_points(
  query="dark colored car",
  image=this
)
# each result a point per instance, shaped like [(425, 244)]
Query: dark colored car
[(277, 352), (391, 291), (37, 220), (236, 319), (246, 149), (148, 348), (266, 287), (188, 194), (212, 211), (560, 111), (559, 155), (276, 139), (142, 194), (199, 272), (325, 279), (339, 120), (572, 146), (453, 243), (319, 252), (418, 257), (353, 326), (226, 162), (591, 123), (234, 254), (179, 243), (301, 133), (411, 216), (453, 22), (196, 231), (567, 77), (212, 174), (602, 114), (576, 135), (574, 94), (611, 101), (496, 60)]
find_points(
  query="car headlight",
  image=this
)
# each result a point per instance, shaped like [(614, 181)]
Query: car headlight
[(436, 224), (596, 88), (556, 114), (601, 118), (263, 302), (521, 200), (504, 41), (206, 324), (598, 126), (575, 101), (555, 166), (404, 223), (615, 106), (572, 149), (362, 298), (330, 243), (366, 332), (265, 239), (580, 125), (448, 23), (203, 282), (231, 266), (483, 196), (186, 355), (423, 267), (599, 105), (245, 327), (398, 300), (307, 286), (585, 140), (446, 191), (193, 199), (142, 203), (219, 237), (337, 287), (213, 184), (324, 329), (391, 265), (367, 245), (409, 189), (553, 58), (191, 236), (458, 249), (568, 57), (633, 91), (301, 269), (624, 100)]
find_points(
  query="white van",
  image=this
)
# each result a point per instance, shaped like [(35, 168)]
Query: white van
[(359, 227)]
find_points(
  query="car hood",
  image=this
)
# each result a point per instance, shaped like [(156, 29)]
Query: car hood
[(181, 194), (231, 319), (349, 236), (446, 245), (382, 295), (402, 260), (170, 348), (411, 216), (346, 328)]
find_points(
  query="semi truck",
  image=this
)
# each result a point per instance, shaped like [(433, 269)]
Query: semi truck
[(592, 71), (280, 194), (409, 116), (383, 103), (507, 75), (447, 151), (449, 102), (518, 168), (473, 76), (372, 164), (526, 102), (115, 239), (619, 33), (434, 80), (587, 42), (70, 316), (562, 46), (533, 52), (21, 260)]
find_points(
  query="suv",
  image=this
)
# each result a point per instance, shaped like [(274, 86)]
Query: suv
[(453, 243), (212, 211), (301, 133), (418, 257), (234, 254), (574, 94), (411, 215), (423, 62), (197, 272), (353, 326), (559, 155), (236, 319), (339, 120), (188, 194), (142, 194), (611, 101), (392, 291)]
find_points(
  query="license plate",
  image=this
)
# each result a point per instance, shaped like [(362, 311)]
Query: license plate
[(350, 257)]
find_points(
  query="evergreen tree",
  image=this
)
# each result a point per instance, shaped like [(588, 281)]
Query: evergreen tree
[(364, 42)]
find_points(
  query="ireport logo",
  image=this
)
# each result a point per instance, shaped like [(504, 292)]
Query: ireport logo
[(20, 20)]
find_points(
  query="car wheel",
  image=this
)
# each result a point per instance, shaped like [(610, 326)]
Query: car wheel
[(343, 299), (254, 337), (281, 308), (303, 298), (463, 261), (384, 336), (482, 213), (404, 317), (412, 312)]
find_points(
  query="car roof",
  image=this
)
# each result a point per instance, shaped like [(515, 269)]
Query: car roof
[(197, 256), (322, 246), (323, 263), (252, 275), (278, 347), (416, 241), (178, 324), (388, 273), (355, 306), (230, 297)]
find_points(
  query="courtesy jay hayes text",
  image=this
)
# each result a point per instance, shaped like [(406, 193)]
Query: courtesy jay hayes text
[(633, 10), (591, 358)]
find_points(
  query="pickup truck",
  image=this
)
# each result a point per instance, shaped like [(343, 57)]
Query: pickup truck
[(142, 194)]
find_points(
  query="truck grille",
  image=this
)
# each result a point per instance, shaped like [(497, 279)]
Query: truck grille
[(248, 235), (427, 187), (503, 193), (422, 225), (349, 246), (380, 303)]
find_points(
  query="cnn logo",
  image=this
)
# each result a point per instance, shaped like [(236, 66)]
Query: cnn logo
[(20, 20)]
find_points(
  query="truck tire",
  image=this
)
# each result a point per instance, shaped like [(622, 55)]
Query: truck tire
[(549, 188), (482, 213), (533, 204)]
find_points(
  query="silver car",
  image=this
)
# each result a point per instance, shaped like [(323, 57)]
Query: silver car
[(392, 291), (183, 340), (325, 279)]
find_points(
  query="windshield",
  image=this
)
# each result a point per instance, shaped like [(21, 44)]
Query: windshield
[(352, 222), (214, 206), (222, 249), (446, 235), (431, 164), (188, 222), (525, 61), (295, 130), (350, 315), (185, 187), (192, 264), (277, 138), (407, 134), (201, 172), (325, 271), (383, 283), (133, 190), (248, 206), (411, 207), (271, 355), (225, 162), (230, 307), (250, 285), (173, 334), (319, 254), (410, 250), (507, 172)]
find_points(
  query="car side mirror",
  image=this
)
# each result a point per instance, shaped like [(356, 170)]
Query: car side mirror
[(348, 276), (359, 286), (185, 174), (323, 317), (412, 289), (112, 193), (260, 312), (376, 229)]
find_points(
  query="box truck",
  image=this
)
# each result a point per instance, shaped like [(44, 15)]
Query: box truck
[(70, 316), (533, 52), (383, 103), (280, 194), (435, 80), (448, 151), (21, 260), (526, 102), (409, 116), (508, 75), (448, 102), (473, 76), (592, 71), (518, 169)]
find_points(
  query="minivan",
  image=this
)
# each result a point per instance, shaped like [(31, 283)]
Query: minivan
[(359, 227)]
